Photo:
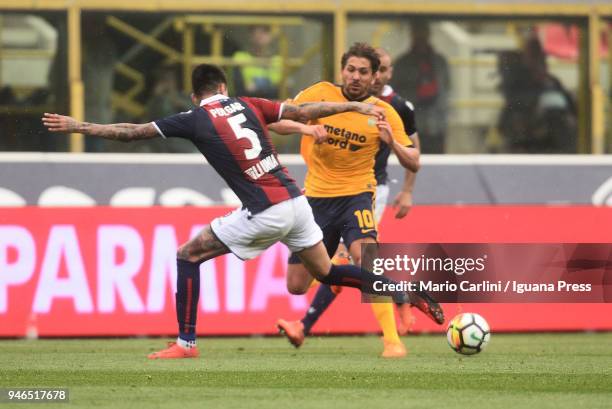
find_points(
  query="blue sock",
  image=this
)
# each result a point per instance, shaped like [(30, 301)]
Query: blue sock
[(354, 276), (321, 301), (187, 296)]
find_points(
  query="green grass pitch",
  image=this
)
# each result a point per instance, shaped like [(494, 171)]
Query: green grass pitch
[(515, 371)]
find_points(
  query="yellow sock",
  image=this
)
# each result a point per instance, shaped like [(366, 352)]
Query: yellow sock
[(314, 283), (386, 320)]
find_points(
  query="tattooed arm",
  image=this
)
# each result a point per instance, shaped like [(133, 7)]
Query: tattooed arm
[(118, 132), (313, 110)]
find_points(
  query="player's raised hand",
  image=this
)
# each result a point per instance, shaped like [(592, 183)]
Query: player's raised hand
[(60, 123), (317, 131), (402, 204), (370, 109)]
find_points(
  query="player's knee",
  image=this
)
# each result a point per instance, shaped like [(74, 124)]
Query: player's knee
[(298, 281), (297, 289), (184, 253), (356, 257), (297, 286)]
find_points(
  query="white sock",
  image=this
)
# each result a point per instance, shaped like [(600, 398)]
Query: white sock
[(185, 344)]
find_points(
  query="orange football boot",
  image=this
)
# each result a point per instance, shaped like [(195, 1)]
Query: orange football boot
[(175, 351), (293, 330), (394, 350)]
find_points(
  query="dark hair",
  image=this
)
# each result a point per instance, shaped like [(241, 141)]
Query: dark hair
[(362, 50), (206, 78)]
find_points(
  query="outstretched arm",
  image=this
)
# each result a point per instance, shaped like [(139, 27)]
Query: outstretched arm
[(287, 127), (313, 110), (123, 132)]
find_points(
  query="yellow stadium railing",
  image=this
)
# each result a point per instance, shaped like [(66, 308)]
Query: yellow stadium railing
[(592, 100)]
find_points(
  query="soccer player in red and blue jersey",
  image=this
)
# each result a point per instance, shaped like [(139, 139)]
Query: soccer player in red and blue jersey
[(232, 134)]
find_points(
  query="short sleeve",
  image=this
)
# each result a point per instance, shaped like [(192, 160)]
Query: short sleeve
[(406, 111), (271, 110), (312, 94), (397, 126), (177, 126)]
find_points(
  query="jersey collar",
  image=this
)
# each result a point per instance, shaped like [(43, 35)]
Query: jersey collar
[(214, 98), (366, 96), (387, 90)]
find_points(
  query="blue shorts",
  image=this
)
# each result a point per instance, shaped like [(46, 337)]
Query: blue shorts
[(347, 217)]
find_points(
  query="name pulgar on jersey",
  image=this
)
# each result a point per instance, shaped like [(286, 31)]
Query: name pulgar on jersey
[(232, 135)]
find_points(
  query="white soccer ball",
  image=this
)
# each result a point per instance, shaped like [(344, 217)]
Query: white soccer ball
[(468, 333)]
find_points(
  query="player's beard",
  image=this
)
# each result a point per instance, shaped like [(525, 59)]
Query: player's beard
[(355, 91)]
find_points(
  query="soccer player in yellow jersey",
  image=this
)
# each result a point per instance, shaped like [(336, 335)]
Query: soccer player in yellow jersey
[(340, 182)]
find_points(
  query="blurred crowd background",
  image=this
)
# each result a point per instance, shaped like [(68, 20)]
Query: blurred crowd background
[(479, 83)]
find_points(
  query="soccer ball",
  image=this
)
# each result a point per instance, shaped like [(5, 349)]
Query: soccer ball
[(468, 333)]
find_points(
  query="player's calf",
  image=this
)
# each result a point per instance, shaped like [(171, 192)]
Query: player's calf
[(299, 280)]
